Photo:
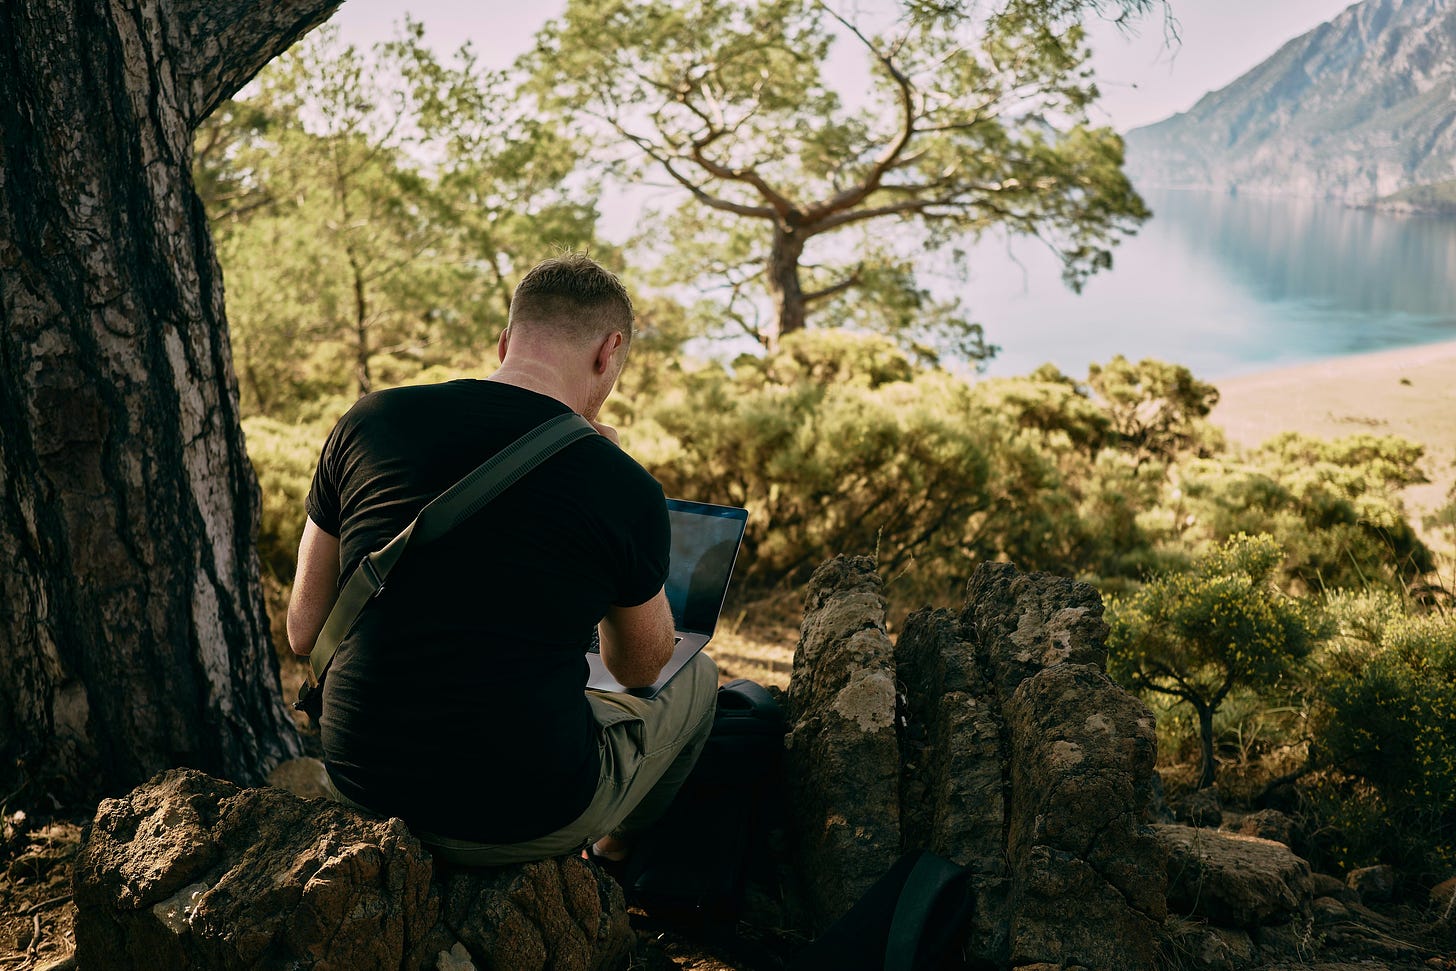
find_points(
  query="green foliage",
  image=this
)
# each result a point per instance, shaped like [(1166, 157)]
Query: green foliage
[(832, 446), (1197, 635), (1389, 691), (1156, 409), (1334, 506), (372, 212), (973, 119), (284, 456)]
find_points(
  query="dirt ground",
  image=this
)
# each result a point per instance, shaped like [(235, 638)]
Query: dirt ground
[(37, 916)]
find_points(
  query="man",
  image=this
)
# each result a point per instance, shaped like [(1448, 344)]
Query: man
[(457, 703)]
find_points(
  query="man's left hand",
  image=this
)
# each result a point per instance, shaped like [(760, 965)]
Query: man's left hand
[(607, 432)]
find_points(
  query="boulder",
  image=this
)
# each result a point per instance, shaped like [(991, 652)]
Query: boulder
[(1009, 751), (188, 871), (1443, 898), (1373, 883), (1200, 807), (1233, 880), (1266, 824)]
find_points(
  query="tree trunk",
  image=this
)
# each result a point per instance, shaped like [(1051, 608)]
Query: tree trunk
[(1205, 738), (133, 635), (784, 287)]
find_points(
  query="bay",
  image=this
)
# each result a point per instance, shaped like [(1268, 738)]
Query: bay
[(1225, 285)]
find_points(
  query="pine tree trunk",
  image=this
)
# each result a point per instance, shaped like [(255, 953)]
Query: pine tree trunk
[(784, 286), (132, 630)]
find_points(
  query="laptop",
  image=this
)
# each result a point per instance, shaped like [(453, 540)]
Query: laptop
[(705, 541)]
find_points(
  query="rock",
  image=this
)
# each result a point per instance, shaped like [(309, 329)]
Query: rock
[(1199, 808), (1443, 898), (1267, 824), (188, 871), (1158, 809), (1293, 942), (1324, 885), (1012, 754), (305, 777), (1239, 881), (1203, 947), (953, 790), (1327, 910), (842, 753), (1372, 883), (1087, 874), (1087, 878)]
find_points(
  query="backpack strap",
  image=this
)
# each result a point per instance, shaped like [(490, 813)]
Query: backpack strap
[(927, 887), (446, 511)]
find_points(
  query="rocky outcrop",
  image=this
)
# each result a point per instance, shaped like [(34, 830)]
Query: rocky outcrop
[(1008, 750), (841, 757), (188, 871)]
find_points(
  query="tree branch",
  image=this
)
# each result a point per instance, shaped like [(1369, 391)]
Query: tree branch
[(221, 45), (856, 194), (701, 194), (832, 289)]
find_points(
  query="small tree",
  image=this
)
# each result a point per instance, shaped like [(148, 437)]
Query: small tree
[(1197, 635)]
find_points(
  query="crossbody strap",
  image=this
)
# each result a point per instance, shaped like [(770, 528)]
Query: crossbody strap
[(447, 510)]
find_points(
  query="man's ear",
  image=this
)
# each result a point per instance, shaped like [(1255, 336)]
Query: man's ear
[(502, 344), (606, 349)]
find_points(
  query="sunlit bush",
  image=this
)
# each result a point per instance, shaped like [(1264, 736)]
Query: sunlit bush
[(1390, 718), (1198, 635)]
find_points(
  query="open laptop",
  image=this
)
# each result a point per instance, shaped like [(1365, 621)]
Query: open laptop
[(705, 541)]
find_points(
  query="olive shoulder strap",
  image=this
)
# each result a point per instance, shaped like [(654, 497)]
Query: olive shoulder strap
[(447, 510)]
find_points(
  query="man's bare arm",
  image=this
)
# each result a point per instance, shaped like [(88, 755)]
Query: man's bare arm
[(638, 641), (315, 587)]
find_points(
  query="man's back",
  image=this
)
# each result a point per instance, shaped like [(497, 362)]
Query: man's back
[(457, 702)]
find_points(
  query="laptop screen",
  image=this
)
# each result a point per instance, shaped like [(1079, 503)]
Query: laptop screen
[(705, 542)]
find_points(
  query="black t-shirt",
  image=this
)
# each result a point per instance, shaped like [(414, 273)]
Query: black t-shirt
[(457, 701)]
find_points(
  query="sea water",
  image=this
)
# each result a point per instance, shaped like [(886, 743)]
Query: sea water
[(1225, 285)]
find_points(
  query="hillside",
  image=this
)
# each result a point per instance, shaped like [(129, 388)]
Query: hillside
[(1358, 108)]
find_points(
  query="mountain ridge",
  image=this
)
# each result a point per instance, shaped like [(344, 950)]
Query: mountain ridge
[(1359, 108)]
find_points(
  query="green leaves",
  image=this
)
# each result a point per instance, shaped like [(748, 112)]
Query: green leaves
[(1389, 717), (373, 210), (1198, 634)]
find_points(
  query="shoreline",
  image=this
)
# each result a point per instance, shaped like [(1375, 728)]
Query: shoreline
[(1406, 391)]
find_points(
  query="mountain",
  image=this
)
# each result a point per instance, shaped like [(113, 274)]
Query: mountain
[(1357, 109)]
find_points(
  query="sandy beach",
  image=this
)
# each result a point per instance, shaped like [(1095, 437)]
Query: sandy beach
[(1409, 391)]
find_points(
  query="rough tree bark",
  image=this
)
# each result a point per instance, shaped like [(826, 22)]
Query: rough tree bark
[(132, 630)]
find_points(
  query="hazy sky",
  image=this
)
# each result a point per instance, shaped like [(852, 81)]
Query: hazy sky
[(1142, 78)]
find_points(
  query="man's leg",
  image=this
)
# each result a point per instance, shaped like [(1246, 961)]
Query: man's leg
[(649, 769), (648, 748), (690, 707)]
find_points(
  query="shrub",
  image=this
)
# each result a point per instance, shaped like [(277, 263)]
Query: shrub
[(1197, 635), (1389, 717)]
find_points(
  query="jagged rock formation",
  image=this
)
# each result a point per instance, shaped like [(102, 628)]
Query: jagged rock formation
[(841, 757), (1356, 109), (188, 871), (1009, 751)]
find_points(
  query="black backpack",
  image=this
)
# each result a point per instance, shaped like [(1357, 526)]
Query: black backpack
[(693, 865)]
